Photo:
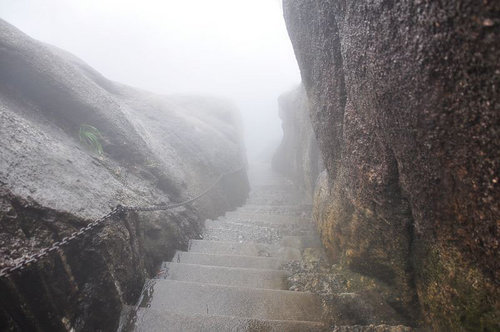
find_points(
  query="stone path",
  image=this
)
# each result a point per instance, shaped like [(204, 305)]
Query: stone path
[(231, 279)]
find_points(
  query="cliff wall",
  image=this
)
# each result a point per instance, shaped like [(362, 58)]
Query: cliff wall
[(404, 101), (155, 149), (298, 156)]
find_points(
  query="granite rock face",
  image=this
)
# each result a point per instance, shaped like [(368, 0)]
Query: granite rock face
[(156, 149), (404, 102), (298, 156)]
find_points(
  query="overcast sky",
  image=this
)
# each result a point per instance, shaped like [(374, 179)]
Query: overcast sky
[(237, 49)]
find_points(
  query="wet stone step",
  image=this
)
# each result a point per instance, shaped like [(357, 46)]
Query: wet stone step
[(208, 299), (244, 235), (275, 210), (245, 248), (229, 276), (149, 320), (274, 201), (281, 230), (301, 242), (279, 209), (277, 187), (250, 222), (232, 280), (267, 217), (274, 192), (228, 260), (268, 221), (261, 235)]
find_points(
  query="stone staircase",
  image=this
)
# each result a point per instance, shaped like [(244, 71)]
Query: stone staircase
[(231, 279)]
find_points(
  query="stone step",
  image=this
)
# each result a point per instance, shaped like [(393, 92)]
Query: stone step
[(261, 235), (244, 235), (253, 262), (277, 196), (238, 232), (149, 320), (274, 190), (250, 223), (283, 209), (268, 217), (274, 199), (281, 229), (277, 187), (264, 218), (301, 242), (208, 299), (245, 249), (271, 210), (230, 276)]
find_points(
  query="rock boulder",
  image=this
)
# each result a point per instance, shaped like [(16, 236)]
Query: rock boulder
[(155, 149), (404, 102)]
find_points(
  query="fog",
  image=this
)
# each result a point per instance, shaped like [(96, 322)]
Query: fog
[(235, 49)]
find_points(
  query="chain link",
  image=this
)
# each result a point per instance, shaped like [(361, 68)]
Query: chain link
[(57, 245), (118, 210)]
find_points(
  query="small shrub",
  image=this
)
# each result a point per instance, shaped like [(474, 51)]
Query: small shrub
[(90, 136), (152, 164)]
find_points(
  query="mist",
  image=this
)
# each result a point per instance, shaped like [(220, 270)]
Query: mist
[(233, 49)]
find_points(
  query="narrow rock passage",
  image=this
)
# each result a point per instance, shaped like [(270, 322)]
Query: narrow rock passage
[(231, 279)]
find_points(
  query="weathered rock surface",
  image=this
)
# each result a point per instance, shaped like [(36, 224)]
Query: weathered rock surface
[(157, 149), (348, 298), (298, 156), (404, 102)]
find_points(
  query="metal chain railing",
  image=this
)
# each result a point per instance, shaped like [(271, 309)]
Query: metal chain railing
[(118, 210)]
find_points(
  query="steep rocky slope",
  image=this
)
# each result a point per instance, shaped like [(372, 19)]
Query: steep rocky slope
[(156, 149), (404, 101)]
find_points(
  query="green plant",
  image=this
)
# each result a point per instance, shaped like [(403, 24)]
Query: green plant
[(151, 163), (90, 136)]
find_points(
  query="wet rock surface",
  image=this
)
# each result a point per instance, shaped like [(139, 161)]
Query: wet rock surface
[(348, 298), (404, 103), (298, 156), (156, 149)]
